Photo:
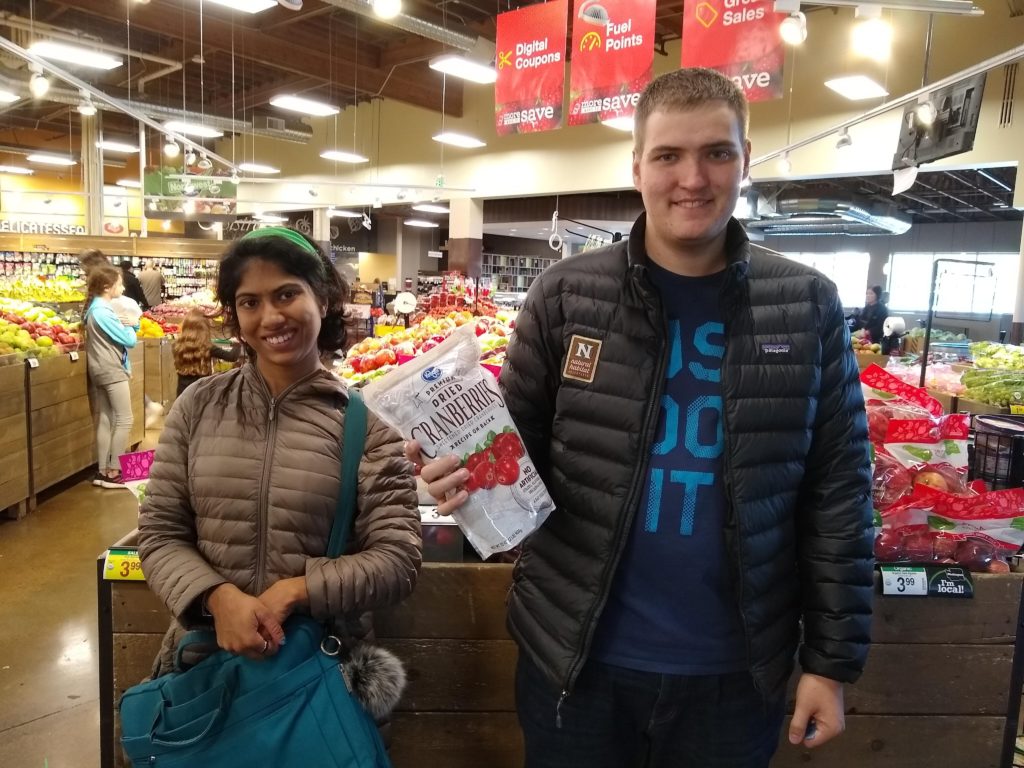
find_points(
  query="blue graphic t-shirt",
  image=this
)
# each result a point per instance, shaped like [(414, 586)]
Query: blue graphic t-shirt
[(672, 608)]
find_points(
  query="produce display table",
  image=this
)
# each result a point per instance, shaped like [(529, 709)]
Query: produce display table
[(15, 492), (137, 358), (161, 380), (62, 437), (938, 688)]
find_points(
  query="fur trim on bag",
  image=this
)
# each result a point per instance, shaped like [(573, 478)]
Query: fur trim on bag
[(376, 677)]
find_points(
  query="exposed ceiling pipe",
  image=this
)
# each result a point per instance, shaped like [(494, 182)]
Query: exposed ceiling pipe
[(409, 24), (285, 132), (48, 30)]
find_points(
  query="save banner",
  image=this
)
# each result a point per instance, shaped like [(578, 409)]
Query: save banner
[(740, 39), (612, 58), (530, 53)]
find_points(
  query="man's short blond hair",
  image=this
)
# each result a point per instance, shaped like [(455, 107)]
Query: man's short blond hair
[(687, 89)]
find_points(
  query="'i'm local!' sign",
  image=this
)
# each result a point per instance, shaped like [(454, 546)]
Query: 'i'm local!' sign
[(740, 39), (530, 53)]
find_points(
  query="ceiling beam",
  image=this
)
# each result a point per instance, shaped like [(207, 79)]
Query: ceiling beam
[(261, 94), (282, 17), (281, 53), (957, 199), (967, 182)]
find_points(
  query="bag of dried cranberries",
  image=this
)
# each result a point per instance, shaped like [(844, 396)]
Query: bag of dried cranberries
[(451, 405)]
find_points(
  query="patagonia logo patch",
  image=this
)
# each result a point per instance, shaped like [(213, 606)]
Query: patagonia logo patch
[(581, 363), (775, 349)]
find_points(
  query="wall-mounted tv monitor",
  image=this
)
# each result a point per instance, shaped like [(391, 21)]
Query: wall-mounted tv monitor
[(956, 109)]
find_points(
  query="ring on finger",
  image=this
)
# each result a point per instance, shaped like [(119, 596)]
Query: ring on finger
[(266, 644)]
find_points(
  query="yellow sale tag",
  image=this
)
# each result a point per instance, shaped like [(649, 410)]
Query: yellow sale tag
[(1017, 410), (123, 565)]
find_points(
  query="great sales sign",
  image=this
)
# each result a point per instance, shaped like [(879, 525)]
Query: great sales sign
[(612, 58), (740, 39), (531, 68)]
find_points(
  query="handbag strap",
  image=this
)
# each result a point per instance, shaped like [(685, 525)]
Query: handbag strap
[(353, 442)]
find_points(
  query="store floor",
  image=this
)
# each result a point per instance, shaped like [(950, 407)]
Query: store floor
[(49, 672)]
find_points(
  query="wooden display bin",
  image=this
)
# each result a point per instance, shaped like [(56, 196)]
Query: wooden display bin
[(866, 359), (949, 402), (15, 491), (62, 437), (963, 405), (161, 380), (137, 358), (937, 691)]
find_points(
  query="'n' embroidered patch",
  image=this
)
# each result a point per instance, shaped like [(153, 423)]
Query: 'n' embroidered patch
[(581, 363), (775, 349)]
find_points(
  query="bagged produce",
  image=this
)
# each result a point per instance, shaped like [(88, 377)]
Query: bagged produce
[(451, 405)]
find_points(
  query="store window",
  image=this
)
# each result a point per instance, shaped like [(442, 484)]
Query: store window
[(847, 269), (971, 288)]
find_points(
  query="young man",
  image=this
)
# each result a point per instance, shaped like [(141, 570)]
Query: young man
[(694, 408)]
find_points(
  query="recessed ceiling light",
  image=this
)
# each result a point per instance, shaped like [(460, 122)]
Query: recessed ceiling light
[(619, 123), (459, 140), (257, 168), (44, 158), (6, 97), (129, 183), (304, 106), (111, 145), (339, 213), (420, 223), (339, 156), (459, 65), (857, 87), (193, 129), (246, 6), (74, 54), (16, 169), (430, 208)]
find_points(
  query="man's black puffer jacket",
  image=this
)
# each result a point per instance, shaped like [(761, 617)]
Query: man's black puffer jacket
[(799, 525)]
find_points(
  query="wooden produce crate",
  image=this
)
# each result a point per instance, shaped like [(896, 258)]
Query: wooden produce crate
[(937, 690), (963, 405), (62, 436), (161, 380), (15, 491), (137, 358), (949, 402), (867, 359)]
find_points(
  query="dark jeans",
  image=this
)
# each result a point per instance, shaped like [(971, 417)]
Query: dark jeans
[(621, 718)]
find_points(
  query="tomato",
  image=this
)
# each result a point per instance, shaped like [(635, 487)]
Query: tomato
[(356, 363), (484, 475), (506, 470), (508, 444), (385, 357)]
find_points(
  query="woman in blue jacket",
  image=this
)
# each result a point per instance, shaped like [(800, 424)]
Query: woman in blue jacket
[(107, 342)]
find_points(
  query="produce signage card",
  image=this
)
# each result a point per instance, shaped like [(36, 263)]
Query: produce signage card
[(740, 39), (612, 58), (531, 68)]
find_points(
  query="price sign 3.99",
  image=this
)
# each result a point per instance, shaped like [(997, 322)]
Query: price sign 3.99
[(122, 565), (904, 581)]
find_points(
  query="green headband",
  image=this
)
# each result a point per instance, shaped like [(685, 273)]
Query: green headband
[(288, 234)]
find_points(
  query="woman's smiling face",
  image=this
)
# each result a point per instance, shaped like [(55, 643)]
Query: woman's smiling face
[(279, 317)]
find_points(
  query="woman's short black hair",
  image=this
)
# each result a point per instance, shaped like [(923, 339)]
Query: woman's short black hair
[(314, 269), (877, 290)]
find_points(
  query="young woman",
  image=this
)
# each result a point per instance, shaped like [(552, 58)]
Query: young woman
[(242, 494), (107, 342), (194, 350)]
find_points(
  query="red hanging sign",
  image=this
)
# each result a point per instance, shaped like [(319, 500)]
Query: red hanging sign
[(740, 39), (612, 58), (530, 56)]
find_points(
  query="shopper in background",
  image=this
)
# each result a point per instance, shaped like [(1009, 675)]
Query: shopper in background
[(872, 317), (194, 350), (107, 342), (152, 281), (132, 286), (90, 258), (693, 405), (242, 494)]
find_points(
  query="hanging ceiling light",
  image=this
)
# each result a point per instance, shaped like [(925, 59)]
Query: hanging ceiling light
[(430, 208), (844, 140), (421, 223), (38, 85), (304, 106), (339, 213), (171, 149), (459, 140), (129, 183), (785, 164), (386, 9), (458, 65), (620, 123), (6, 97), (75, 54), (291, 5), (16, 170), (340, 156), (257, 168), (114, 145), (793, 28), (45, 158), (247, 6), (193, 129), (872, 36)]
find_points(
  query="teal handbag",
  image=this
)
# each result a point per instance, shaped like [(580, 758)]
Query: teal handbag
[(293, 710)]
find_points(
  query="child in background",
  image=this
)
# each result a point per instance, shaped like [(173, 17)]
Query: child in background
[(107, 341), (194, 350)]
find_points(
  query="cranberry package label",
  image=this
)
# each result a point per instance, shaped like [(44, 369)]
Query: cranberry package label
[(740, 39), (924, 441), (451, 405), (530, 58), (880, 385), (612, 58)]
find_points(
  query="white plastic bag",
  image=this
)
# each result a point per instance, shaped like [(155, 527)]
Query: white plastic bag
[(451, 405)]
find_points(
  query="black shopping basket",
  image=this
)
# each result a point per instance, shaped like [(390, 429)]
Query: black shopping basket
[(999, 450)]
